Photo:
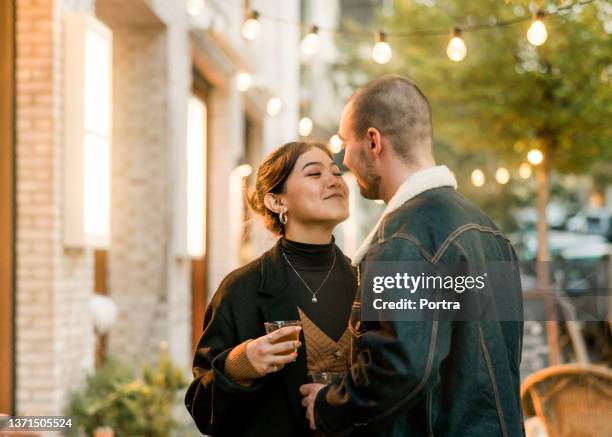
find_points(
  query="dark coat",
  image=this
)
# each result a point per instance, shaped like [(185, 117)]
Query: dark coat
[(271, 406), (439, 376)]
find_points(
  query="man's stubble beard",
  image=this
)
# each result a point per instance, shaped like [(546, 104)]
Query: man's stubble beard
[(370, 179)]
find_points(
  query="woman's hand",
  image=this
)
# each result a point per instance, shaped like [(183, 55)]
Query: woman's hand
[(267, 356)]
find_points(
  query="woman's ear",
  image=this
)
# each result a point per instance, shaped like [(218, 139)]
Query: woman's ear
[(274, 203)]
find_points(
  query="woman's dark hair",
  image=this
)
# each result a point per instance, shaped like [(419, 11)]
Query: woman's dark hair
[(271, 177)]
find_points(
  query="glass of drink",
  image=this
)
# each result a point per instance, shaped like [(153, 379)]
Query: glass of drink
[(293, 336), (324, 377)]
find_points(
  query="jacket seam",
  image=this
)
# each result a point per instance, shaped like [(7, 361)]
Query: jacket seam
[(460, 230), (500, 413), (429, 414), (412, 239), (422, 382)]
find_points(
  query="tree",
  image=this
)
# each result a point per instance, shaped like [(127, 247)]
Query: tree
[(508, 96)]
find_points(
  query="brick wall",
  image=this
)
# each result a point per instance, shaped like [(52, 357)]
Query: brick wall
[(137, 256), (54, 333)]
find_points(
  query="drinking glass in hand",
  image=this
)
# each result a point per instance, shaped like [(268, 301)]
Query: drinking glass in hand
[(294, 336), (324, 377)]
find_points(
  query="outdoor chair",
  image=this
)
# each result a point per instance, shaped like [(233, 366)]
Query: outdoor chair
[(570, 400)]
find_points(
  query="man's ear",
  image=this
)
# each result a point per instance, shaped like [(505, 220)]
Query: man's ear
[(274, 203), (375, 142)]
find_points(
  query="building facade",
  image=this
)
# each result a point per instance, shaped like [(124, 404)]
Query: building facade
[(179, 136)]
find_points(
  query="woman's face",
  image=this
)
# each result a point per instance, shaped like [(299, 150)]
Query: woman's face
[(315, 192)]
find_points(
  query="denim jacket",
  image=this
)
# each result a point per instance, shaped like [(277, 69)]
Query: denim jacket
[(431, 377)]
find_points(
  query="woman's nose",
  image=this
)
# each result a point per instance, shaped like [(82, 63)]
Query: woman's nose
[(332, 181)]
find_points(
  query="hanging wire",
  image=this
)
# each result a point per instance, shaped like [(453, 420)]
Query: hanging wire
[(422, 33)]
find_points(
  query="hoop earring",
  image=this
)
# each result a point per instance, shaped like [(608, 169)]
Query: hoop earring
[(283, 217)]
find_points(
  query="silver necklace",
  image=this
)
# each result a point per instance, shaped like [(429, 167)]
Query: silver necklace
[(314, 293)]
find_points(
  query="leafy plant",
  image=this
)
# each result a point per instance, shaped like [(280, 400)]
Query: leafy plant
[(140, 406)]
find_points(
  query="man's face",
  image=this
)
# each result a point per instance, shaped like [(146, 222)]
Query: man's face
[(357, 158)]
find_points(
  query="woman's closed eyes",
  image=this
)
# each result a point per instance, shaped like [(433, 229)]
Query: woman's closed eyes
[(335, 171)]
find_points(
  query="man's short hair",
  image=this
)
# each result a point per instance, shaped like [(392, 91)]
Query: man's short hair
[(399, 110)]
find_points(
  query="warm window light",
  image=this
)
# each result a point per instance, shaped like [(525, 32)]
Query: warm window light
[(335, 144), (478, 178), (456, 49), (196, 177), (251, 26), (310, 42), (381, 53), (305, 127), (274, 106), (502, 176), (535, 157), (525, 170), (88, 79), (243, 81), (536, 34)]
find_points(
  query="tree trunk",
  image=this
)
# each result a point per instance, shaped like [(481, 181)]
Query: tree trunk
[(543, 255)]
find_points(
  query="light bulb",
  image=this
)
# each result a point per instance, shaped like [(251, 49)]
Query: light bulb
[(194, 7), (478, 178), (381, 53), (243, 81), (456, 49), (536, 34), (243, 171), (310, 42), (250, 27), (502, 176), (335, 144), (525, 170), (535, 157), (274, 106), (305, 127)]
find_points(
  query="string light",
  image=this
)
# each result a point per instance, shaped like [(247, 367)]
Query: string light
[(274, 106), (250, 27), (194, 7), (381, 53), (456, 49), (305, 127), (535, 157), (310, 42), (502, 176), (243, 81), (478, 178), (525, 170), (335, 144), (243, 171), (537, 34)]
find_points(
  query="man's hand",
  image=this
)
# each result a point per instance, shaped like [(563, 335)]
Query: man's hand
[(309, 391)]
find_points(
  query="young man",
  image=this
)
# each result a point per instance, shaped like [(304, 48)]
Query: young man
[(434, 376)]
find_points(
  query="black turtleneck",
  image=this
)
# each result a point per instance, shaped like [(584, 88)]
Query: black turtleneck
[(334, 300)]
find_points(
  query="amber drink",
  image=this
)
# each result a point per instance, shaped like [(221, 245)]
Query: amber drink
[(293, 336)]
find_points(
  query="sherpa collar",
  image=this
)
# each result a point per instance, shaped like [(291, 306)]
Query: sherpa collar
[(415, 184)]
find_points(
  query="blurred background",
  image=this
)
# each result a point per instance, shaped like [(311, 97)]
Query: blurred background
[(130, 129)]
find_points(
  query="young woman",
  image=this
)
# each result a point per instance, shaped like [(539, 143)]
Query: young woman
[(246, 381)]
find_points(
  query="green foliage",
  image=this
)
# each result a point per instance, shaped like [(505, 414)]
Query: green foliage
[(507, 91), (507, 96), (131, 406)]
